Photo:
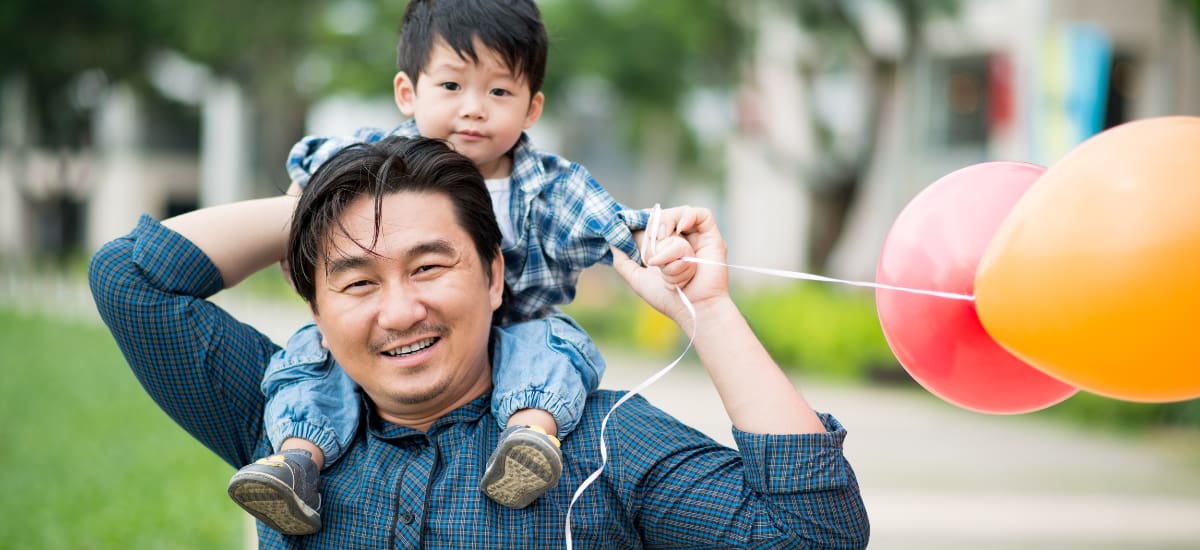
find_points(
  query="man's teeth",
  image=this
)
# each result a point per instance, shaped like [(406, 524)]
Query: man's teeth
[(411, 348)]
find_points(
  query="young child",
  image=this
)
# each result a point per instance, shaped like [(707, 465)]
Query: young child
[(470, 72)]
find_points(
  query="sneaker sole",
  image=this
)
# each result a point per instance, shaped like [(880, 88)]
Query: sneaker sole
[(524, 470), (273, 502)]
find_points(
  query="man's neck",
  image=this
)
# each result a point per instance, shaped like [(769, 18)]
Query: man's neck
[(421, 416)]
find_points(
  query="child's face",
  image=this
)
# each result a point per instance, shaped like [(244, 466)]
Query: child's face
[(480, 108)]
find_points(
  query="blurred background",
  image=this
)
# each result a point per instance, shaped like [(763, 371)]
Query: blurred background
[(805, 125)]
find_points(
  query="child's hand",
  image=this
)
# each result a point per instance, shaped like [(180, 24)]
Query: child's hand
[(666, 249), (666, 257)]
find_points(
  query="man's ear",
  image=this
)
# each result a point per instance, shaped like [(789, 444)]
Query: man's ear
[(535, 110), (496, 285), (405, 91)]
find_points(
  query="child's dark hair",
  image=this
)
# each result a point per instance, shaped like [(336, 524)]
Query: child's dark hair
[(511, 28)]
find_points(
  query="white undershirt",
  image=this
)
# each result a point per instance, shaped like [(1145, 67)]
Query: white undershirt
[(501, 190)]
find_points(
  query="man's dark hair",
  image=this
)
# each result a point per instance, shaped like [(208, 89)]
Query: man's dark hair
[(376, 170), (511, 28)]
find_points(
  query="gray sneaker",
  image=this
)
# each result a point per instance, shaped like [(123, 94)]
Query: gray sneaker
[(525, 464), (281, 491)]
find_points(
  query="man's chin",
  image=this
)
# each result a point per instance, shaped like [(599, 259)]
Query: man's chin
[(410, 395)]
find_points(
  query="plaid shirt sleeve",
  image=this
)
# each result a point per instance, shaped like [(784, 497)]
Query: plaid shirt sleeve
[(570, 224), (196, 361), (777, 491), (308, 154)]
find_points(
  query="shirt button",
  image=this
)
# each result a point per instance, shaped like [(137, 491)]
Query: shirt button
[(406, 518)]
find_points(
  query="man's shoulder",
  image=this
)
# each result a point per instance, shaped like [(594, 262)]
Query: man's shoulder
[(600, 402)]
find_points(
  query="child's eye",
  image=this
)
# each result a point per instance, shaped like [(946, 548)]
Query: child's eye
[(501, 92), (451, 86)]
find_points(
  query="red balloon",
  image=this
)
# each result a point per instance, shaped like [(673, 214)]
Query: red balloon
[(935, 244)]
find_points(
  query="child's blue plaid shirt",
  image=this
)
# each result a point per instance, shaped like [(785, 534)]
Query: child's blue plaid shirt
[(665, 486), (563, 220)]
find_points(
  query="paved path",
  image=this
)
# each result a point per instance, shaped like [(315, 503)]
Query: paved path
[(933, 476)]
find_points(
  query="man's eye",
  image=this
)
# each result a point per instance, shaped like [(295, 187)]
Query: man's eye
[(429, 267), (452, 86), (356, 284)]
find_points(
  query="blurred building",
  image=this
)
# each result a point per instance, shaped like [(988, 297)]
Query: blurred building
[(1003, 79), (1021, 80)]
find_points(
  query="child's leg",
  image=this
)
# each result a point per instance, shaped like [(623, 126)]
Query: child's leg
[(545, 370), (553, 368), (311, 416)]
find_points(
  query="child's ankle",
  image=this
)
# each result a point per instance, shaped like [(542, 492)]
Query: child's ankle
[(534, 417), (318, 456)]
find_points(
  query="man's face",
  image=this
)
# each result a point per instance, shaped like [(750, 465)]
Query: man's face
[(480, 108), (409, 319)]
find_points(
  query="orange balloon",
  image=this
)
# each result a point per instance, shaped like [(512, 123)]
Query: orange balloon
[(1094, 276)]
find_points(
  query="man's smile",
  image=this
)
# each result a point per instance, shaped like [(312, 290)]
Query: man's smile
[(412, 348)]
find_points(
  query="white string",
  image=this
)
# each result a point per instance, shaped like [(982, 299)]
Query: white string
[(649, 244), (821, 278)]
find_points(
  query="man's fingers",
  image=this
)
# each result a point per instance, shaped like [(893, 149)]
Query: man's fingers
[(624, 266)]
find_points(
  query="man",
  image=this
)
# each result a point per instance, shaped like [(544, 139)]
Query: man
[(396, 249)]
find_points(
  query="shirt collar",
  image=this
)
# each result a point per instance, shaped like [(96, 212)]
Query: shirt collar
[(469, 413)]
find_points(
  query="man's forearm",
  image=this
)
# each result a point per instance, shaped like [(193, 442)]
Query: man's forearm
[(240, 238), (757, 395)]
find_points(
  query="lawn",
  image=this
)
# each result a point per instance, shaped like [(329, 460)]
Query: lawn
[(88, 460)]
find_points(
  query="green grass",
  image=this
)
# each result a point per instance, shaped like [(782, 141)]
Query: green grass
[(88, 460)]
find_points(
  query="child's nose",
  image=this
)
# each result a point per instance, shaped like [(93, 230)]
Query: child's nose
[(472, 107)]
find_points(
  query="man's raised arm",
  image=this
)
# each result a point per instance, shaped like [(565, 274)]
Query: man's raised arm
[(757, 395), (200, 365), (789, 484)]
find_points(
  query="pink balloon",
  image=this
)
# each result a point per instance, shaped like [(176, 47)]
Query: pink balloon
[(935, 244)]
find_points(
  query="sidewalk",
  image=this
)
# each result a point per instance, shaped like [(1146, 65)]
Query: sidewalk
[(933, 476)]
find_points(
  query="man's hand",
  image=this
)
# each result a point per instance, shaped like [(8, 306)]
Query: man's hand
[(757, 395)]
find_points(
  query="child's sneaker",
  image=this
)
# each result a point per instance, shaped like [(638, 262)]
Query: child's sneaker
[(281, 490), (526, 463)]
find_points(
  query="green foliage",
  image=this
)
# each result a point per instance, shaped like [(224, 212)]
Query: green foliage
[(89, 460), (1094, 410), (819, 330), (652, 53), (806, 328), (1190, 8)]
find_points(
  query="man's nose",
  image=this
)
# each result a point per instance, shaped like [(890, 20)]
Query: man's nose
[(400, 307)]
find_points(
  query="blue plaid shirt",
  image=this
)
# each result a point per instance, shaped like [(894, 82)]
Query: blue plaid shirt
[(666, 485), (563, 220)]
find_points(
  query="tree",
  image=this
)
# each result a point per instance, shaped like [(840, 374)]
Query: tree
[(836, 179)]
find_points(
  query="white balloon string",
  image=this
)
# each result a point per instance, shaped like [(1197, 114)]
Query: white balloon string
[(648, 245), (821, 278)]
